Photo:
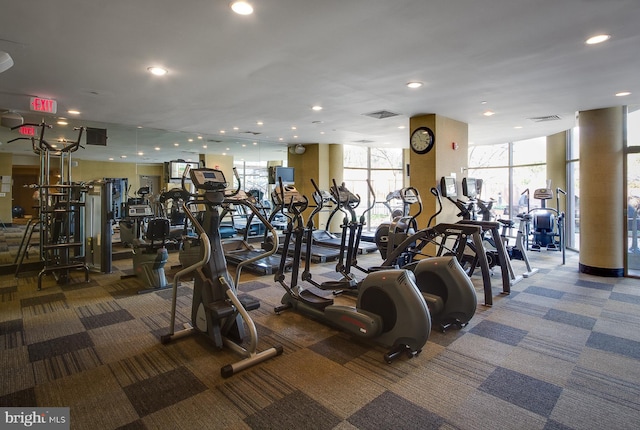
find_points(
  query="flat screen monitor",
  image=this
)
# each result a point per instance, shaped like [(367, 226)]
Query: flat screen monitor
[(286, 173), (448, 187), (469, 188), (177, 168)]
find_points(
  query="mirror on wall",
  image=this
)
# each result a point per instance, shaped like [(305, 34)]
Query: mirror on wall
[(130, 151)]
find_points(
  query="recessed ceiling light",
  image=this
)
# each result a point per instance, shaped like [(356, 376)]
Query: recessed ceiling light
[(260, 123), (62, 122), (73, 112), (401, 127), (317, 108), (140, 153), (226, 149), (200, 137), (414, 84), (158, 71), (224, 153), (623, 94), (236, 128), (598, 39), (518, 127), (244, 145), (488, 113), (222, 131), (204, 146), (241, 7), (123, 156), (110, 158), (176, 144), (293, 127), (255, 143), (189, 140), (322, 132), (157, 148), (483, 102)]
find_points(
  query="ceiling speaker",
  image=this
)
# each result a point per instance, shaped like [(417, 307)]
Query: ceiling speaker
[(5, 61), (11, 119), (297, 149)]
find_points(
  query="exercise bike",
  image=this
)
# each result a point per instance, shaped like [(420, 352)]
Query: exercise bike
[(389, 309), (216, 309)]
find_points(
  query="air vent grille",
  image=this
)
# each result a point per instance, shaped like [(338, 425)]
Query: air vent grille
[(381, 114), (255, 133), (545, 118), (363, 141)]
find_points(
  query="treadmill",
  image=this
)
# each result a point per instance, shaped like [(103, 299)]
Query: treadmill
[(348, 203), (319, 253), (238, 250)]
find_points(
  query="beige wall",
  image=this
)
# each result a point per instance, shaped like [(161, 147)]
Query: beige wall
[(6, 202), (88, 170), (557, 165), (427, 169)]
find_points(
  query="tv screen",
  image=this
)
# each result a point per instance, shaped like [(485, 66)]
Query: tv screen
[(286, 173), (448, 187), (177, 168), (469, 188)]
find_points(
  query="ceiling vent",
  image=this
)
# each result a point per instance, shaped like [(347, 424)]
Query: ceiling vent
[(363, 141), (381, 114), (214, 141), (546, 118), (255, 133)]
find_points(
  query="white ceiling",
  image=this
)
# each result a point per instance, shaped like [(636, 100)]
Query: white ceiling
[(524, 58)]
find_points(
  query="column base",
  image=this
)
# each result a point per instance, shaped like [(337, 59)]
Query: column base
[(600, 271)]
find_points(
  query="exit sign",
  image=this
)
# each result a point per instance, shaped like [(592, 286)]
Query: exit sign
[(27, 130), (43, 105)]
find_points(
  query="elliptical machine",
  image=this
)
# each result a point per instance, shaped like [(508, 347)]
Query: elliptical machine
[(389, 308), (216, 309), (547, 223)]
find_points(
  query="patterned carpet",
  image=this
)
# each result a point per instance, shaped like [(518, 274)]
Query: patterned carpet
[(562, 351)]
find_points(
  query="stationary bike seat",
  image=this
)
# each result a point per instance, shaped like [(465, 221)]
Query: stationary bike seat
[(507, 222)]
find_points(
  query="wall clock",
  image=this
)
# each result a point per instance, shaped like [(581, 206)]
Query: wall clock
[(422, 140)]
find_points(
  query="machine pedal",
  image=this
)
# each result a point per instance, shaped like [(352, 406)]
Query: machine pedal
[(220, 310), (249, 304)]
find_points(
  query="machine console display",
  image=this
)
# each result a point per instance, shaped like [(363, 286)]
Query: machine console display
[(291, 195), (208, 179), (140, 211), (543, 194), (409, 195)]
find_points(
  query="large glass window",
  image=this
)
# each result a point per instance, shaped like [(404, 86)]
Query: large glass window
[(633, 191), (507, 171), (254, 176), (383, 167), (489, 155), (573, 190)]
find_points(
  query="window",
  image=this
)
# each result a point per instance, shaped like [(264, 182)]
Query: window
[(507, 170), (253, 176), (573, 190), (633, 192), (383, 167)]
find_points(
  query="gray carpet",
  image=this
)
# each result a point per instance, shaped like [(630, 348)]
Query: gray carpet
[(562, 351)]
